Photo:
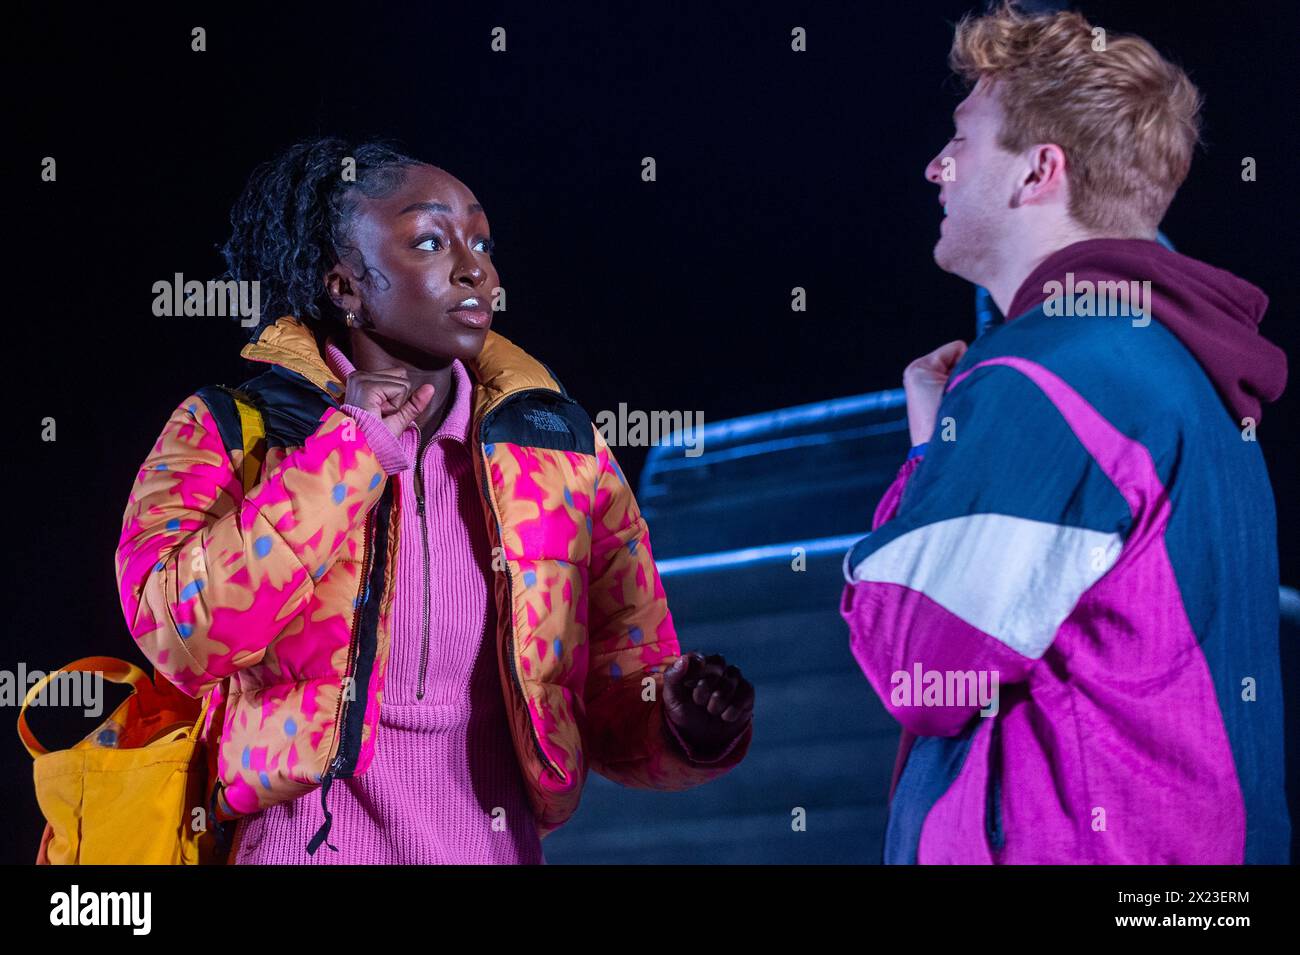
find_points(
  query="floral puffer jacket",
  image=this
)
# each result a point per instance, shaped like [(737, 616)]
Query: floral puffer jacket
[(278, 602)]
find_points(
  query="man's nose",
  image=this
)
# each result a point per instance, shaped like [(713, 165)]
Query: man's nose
[(933, 170)]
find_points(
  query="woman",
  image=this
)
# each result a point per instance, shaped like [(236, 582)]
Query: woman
[(440, 591)]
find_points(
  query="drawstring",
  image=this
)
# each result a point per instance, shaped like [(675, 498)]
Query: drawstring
[(323, 832)]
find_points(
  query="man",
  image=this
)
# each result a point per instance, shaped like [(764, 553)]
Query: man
[(1070, 597)]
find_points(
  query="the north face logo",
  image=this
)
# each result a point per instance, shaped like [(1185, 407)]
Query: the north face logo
[(546, 420)]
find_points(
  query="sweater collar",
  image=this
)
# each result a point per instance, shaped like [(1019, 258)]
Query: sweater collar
[(455, 423), (501, 369)]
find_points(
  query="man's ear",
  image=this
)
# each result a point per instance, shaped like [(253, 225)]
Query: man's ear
[(1043, 177)]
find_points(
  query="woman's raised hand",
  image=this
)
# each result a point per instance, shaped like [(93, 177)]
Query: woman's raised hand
[(388, 394)]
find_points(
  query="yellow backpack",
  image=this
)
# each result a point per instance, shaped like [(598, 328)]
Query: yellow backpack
[(133, 791)]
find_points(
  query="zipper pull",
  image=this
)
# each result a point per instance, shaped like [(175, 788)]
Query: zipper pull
[(323, 832)]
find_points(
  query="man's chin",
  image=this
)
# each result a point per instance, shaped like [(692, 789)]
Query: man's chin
[(949, 257), (944, 256)]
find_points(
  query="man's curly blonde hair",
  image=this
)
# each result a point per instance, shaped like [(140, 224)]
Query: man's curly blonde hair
[(1126, 118)]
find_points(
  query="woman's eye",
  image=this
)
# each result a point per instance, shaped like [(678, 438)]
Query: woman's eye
[(431, 241), (485, 245)]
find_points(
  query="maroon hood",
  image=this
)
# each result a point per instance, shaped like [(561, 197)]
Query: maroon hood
[(1212, 312)]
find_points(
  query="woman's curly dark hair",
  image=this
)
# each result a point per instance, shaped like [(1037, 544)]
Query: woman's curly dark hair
[(291, 224)]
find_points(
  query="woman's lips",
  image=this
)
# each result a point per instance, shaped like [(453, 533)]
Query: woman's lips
[(473, 317)]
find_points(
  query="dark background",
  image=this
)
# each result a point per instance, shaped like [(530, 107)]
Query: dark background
[(775, 169)]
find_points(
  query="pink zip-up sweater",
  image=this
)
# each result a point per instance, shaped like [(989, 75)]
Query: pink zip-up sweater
[(444, 786)]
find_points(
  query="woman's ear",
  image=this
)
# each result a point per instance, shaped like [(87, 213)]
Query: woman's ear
[(340, 286)]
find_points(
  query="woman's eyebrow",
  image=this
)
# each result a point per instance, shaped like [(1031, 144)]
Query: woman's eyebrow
[(436, 207)]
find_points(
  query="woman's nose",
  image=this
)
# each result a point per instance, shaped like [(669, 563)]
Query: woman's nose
[(469, 274)]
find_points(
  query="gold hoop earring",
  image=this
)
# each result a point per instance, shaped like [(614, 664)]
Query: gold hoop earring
[(351, 319)]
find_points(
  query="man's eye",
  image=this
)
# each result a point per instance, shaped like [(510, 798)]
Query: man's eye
[(424, 243), (485, 245)]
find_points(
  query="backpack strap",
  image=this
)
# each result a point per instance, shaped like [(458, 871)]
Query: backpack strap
[(253, 429)]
